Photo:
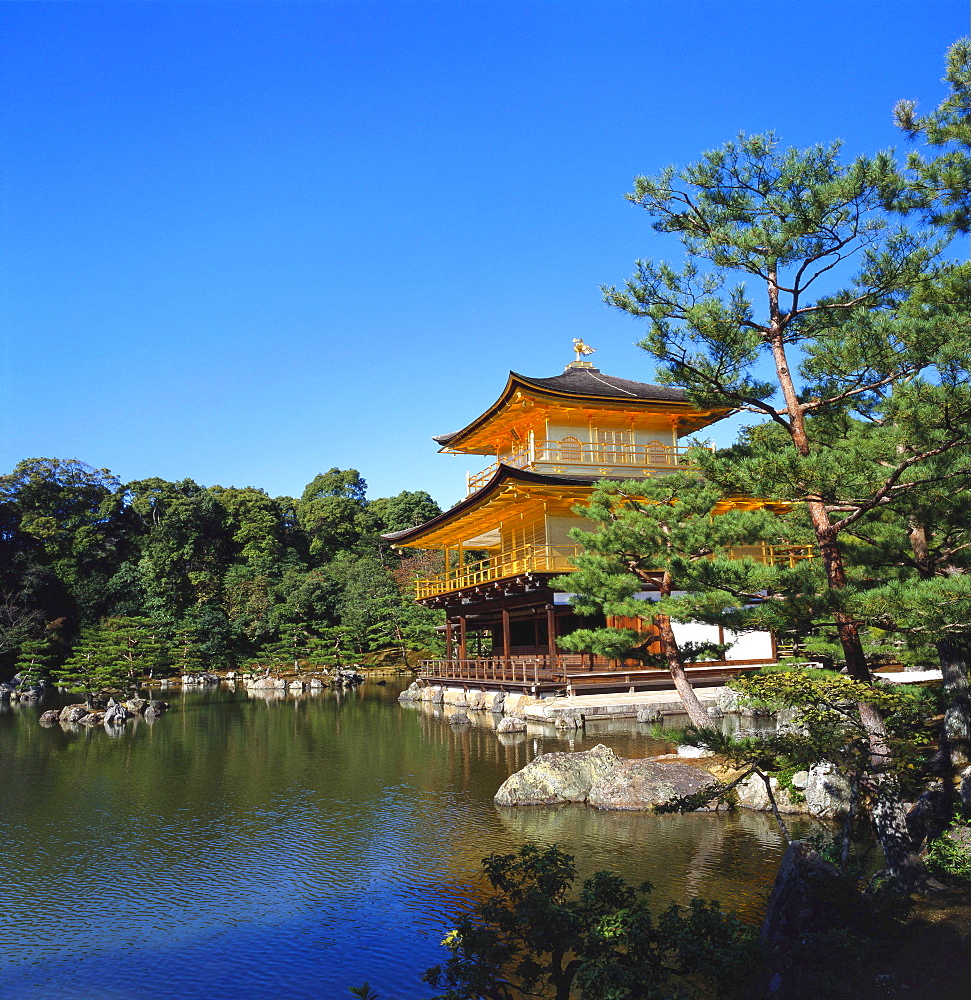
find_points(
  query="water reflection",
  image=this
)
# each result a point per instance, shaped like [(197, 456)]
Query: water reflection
[(252, 846)]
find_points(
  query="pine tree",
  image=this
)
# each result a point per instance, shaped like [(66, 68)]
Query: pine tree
[(651, 533), (114, 655), (35, 659), (787, 221)]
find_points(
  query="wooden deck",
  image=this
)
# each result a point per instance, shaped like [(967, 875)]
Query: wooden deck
[(571, 675)]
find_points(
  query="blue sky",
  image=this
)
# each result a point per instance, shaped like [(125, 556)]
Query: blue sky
[(244, 242)]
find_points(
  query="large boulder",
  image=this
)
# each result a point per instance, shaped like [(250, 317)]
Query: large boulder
[(515, 702), (267, 683), (410, 693), (752, 794), (557, 777), (643, 784), (49, 718), (730, 702), (201, 678), (511, 724), (827, 792), (494, 701), (73, 713), (459, 719)]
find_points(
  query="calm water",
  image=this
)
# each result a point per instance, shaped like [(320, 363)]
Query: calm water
[(239, 848)]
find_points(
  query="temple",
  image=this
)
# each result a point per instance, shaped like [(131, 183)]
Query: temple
[(550, 440)]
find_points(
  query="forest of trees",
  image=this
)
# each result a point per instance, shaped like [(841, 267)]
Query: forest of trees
[(191, 577)]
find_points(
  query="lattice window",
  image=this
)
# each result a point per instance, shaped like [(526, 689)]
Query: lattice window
[(570, 450), (657, 453)]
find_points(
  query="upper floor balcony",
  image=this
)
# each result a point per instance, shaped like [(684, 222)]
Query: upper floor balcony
[(614, 460), (559, 559)]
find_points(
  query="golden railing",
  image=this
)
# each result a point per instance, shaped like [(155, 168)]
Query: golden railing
[(533, 559), (774, 555), (584, 456), (558, 559)]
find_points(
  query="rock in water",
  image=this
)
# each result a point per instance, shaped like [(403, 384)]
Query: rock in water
[(643, 784), (116, 714), (557, 777), (511, 724), (50, 717), (459, 719), (73, 713)]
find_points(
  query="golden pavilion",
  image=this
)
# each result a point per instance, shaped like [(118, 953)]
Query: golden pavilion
[(549, 440)]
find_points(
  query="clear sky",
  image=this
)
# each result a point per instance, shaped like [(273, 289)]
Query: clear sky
[(244, 242)]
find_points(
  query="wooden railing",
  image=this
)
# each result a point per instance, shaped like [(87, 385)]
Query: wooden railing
[(585, 457), (530, 559), (495, 670)]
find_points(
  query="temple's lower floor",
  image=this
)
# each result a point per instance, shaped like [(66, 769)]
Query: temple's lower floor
[(505, 635)]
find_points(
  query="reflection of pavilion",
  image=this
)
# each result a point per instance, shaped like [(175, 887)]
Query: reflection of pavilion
[(550, 439)]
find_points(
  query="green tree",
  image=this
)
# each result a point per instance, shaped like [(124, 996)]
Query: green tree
[(68, 523), (940, 187), (785, 220), (333, 511), (406, 510), (36, 658), (114, 655), (650, 534)]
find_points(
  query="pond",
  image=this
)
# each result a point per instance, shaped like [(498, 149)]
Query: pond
[(239, 847)]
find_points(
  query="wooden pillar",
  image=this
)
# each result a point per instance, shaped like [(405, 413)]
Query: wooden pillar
[(551, 634), (448, 640), (462, 651), (506, 637)]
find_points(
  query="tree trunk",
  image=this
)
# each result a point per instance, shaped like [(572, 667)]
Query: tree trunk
[(889, 815), (957, 716), (888, 811), (954, 665), (697, 712), (692, 705)]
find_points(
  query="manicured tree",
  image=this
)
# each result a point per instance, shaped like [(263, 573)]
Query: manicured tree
[(114, 655), (136, 647), (92, 666), (35, 659), (823, 726), (651, 533), (184, 653)]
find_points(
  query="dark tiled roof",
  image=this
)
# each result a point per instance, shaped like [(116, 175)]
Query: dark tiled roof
[(590, 382)]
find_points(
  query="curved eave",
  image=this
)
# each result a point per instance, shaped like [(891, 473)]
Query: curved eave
[(504, 477), (517, 382)]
